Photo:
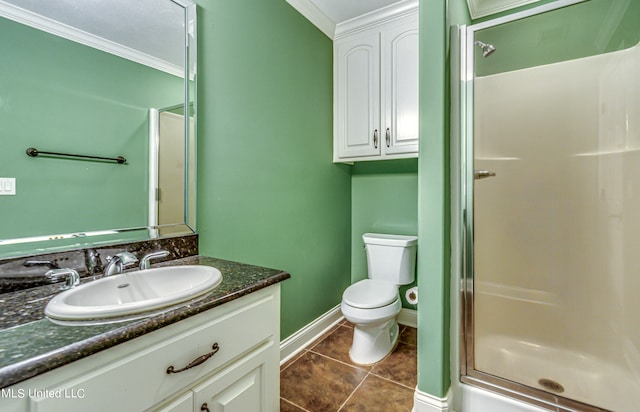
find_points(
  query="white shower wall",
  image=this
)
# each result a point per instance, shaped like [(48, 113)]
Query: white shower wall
[(557, 231)]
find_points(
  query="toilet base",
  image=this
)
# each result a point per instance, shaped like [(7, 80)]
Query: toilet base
[(371, 343)]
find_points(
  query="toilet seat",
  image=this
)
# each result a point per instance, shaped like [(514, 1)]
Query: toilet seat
[(370, 294)]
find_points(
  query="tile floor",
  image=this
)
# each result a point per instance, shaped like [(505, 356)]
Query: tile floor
[(322, 378)]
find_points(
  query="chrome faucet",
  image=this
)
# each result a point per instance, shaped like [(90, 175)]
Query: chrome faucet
[(144, 262), (92, 262), (119, 262), (72, 278)]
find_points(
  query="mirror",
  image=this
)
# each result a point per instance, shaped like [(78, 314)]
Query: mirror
[(109, 79)]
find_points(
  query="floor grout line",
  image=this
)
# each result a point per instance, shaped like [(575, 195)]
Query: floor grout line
[(352, 392), (391, 380), (342, 362), (294, 404), (368, 373)]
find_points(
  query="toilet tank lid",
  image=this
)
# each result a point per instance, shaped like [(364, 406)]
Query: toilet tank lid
[(389, 240)]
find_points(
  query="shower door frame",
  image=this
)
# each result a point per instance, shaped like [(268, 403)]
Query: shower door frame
[(462, 180)]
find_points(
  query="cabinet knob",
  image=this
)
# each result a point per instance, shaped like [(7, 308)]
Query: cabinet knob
[(205, 408), (375, 139), (387, 137)]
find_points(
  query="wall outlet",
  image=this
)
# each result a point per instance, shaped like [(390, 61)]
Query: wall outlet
[(7, 186)]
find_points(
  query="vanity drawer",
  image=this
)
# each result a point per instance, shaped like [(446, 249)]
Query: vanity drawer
[(139, 379)]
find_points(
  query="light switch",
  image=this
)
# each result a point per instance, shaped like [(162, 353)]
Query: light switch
[(7, 186)]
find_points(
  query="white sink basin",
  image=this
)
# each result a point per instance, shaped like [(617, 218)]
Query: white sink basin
[(132, 293)]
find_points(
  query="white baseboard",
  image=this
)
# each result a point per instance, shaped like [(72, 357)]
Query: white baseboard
[(299, 340), (408, 317), (425, 402)]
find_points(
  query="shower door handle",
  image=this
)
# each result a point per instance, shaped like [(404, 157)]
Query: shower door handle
[(483, 174)]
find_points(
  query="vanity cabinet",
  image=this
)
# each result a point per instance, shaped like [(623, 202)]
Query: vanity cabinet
[(239, 388), (376, 90), (230, 357)]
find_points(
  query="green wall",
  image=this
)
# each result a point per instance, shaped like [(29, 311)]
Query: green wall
[(268, 192), (584, 29), (384, 199), (60, 96), (433, 196)]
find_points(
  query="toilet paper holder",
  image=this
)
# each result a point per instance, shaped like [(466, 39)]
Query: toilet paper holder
[(412, 295)]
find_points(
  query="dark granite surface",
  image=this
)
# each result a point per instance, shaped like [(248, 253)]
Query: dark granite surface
[(31, 344), (20, 273)]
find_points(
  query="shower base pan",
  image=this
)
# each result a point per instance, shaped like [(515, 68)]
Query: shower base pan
[(581, 377)]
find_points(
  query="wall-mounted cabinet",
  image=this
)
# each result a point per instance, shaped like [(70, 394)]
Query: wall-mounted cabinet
[(376, 89)]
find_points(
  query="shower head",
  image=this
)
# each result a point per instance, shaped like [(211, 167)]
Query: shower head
[(487, 49)]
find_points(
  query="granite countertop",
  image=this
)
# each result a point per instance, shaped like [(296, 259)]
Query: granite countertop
[(31, 344)]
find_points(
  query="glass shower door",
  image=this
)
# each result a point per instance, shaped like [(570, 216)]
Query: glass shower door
[(556, 204)]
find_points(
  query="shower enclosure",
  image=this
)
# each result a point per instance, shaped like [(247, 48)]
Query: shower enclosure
[(548, 177)]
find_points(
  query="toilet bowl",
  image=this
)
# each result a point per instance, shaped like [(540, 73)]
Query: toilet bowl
[(372, 304), (375, 331)]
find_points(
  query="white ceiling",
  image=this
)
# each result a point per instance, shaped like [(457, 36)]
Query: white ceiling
[(340, 11), (156, 27), (153, 27)]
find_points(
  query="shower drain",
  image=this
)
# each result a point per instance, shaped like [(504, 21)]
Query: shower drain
[(551, 385)]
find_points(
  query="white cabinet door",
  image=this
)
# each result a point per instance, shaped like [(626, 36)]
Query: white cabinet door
[(376, 91), (357, 93), (247, 385), (399, 76)]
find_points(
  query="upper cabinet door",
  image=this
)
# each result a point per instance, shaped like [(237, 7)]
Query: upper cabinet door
[(357, 97), (400, 86), (376, 86)]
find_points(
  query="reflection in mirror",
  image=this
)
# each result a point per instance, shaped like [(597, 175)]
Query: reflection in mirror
[(65, 88), (171, 179)]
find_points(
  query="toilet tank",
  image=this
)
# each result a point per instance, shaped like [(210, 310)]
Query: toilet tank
[(391, 258)]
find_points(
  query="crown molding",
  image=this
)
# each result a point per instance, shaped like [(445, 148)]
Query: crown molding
[(56, 28), (377, 17), (316, 16), (482, 8)]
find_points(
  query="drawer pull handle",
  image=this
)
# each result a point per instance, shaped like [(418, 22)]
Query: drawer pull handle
[(205, 408), (197, 361)]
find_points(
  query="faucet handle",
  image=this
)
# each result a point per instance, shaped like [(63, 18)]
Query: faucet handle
[(72, 277), (127, 258), (92, 261), (145, 261), (118, 262)]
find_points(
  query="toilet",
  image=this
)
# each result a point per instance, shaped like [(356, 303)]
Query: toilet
[(372, 304)]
